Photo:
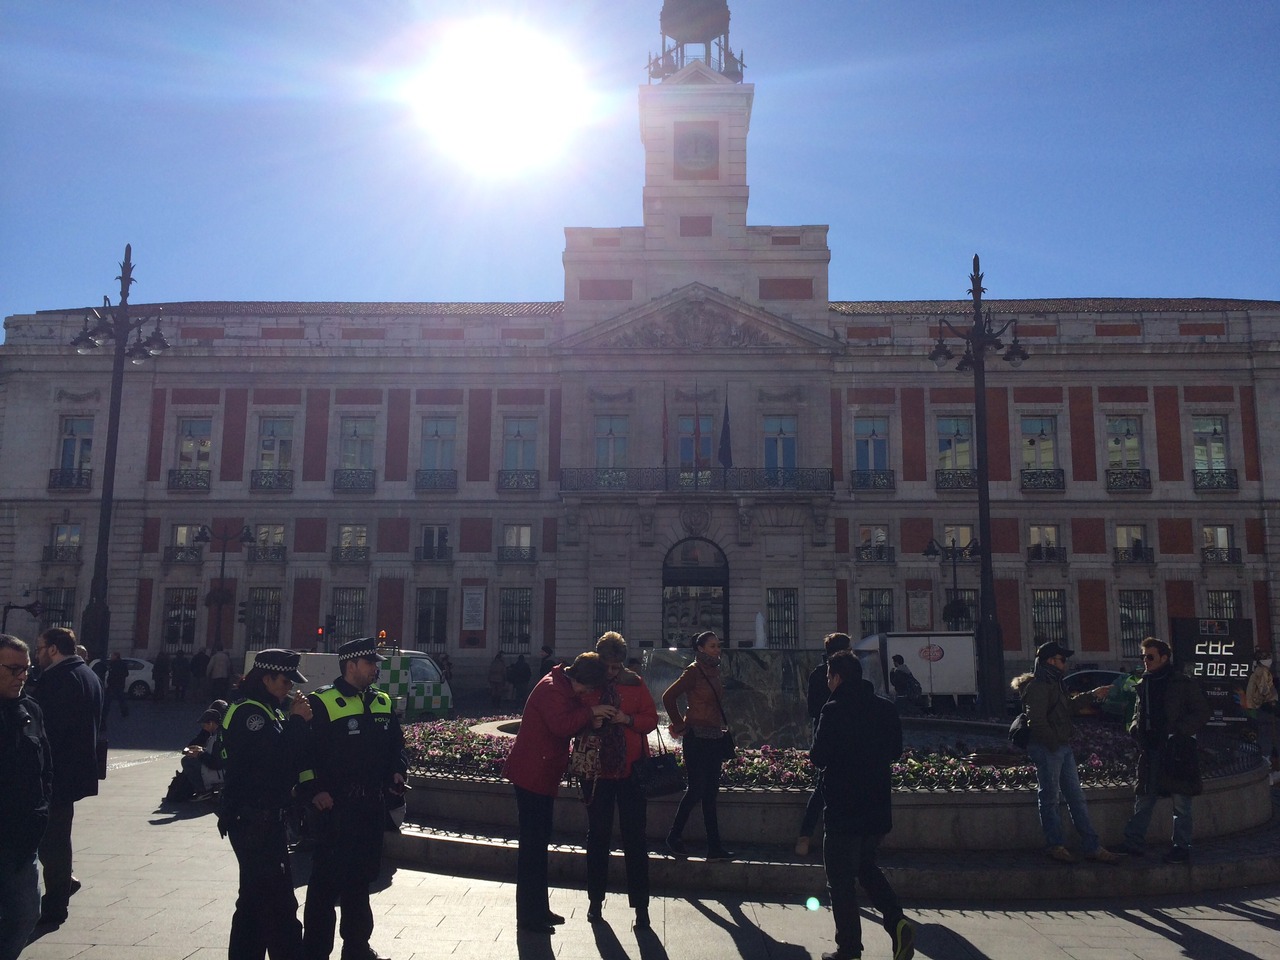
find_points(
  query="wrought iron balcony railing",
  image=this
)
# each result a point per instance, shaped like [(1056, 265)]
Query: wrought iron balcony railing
[(350, 554), (60, 479), (1134, 555), (708, 480), (1215, 555), (191, 553), (874, 553), (872, 480), (194, 481), (266, 553), (1128, 479), (354, 480), (1037, 479), (61, 553), (519, 480), (435, 480), (433, 554), (1215, 480), (970, 553), (517, 554), (271, 481), (955, 479), (1044, 553)]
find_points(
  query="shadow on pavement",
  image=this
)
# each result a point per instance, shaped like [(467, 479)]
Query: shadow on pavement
[(745, 934)]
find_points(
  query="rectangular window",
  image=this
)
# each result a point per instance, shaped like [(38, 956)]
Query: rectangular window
[(871, 443), (875, 607), (1131, 535), (356, 448), (1124, 443), (780, 443), (59, 605), (515, 619), (1039, 443), (1223, 604), (519, 443), (184, 534), (75, 447), (517, 535), (432, 617), (1048, 616), (694, 435), (435, 542), (961, 609), (195, 443), (269, 534), (179, 628), (782, 617), (1043, 541), (348, 614), (353, 535), (611, 442), (959, 537), (1216, 537), (1137, 620), (275, 443), (955, 443), (1210, 439), (66, 535), (873, 544), (438, 437), (608, 606), (262, 618)]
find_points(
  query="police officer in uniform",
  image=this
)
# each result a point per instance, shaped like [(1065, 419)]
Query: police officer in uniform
[(358, 758), (265, 752)]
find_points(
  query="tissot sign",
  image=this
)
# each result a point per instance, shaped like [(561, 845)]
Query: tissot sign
[(1218, 653)]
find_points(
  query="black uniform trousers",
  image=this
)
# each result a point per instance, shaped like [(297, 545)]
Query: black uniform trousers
[(850, 858), (632, 812), (347, 858), (266, 916)]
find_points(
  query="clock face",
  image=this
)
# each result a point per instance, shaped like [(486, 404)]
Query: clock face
[(697, 150)]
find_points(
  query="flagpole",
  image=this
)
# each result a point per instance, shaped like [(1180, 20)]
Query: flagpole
[(666, 437), (697, 438)]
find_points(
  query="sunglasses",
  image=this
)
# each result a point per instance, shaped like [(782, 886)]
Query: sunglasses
[(17, 669), (1150, 657)]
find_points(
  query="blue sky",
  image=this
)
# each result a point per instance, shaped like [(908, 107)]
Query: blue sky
[(258, 151)]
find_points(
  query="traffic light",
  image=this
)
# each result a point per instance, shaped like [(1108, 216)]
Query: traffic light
[(330, 624), (243, 616)]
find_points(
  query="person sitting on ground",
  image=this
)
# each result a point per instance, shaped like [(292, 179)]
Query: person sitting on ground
[(201, 758)]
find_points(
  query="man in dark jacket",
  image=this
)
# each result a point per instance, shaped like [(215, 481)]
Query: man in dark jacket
[(859, 736), (71, 698), (1049, 711), (1170, 710), (816, 698), (25, 789)]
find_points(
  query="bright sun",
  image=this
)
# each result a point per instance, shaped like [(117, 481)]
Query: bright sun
[(498, 98)]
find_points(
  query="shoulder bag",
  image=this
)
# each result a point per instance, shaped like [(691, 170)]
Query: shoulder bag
[(728, 748), (657, 774)]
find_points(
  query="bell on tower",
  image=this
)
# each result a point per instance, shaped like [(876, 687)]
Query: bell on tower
[(695, 30)]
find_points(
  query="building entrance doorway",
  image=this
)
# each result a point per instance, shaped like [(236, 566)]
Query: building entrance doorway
[(695, 592)]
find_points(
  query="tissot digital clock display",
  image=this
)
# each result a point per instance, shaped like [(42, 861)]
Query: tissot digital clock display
[(1218, 653)]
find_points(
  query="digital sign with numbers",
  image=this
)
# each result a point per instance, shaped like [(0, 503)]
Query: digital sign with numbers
[(1218, 653)]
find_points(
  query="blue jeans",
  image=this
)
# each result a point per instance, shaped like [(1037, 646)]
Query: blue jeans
[(1056, 780), (19, 904), (1144, 805)]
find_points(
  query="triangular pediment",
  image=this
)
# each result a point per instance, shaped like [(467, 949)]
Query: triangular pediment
[(697, 317), (695, 72)]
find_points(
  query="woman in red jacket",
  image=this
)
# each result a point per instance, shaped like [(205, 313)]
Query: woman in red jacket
[(553, 713), (624, 742)]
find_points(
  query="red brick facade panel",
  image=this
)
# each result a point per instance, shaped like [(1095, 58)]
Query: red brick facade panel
[(1176, 537), (444, 333), (235, 413), (1255, 537), (786, 288), (273, 396), (1262, 615), (1084, 449), (784, 240), (1168, 433), (479, 423), (306, 615), (155, 438), (438, 396), (1180, 599), (842, 536), (549, 534), (1088, 535), (393, 535), (227, 528), (1091, 599), (311, 535), (1208, 393), (1004, 535), (526, 396), (943, 395), (998, 433), (1037, 394), (872, 395), (1249, 434), (1008, 606), (1122, 395), (142, 614), (604, 289), (475, 535), (315, 435), (228, 611), (523, 333), (915, 442), (1048, 331), (868, 333), (696, 227), (390, 612), (916, 532), (1202, 329), (362, 333), (195, 396), (396, 466), (358, 397), (151, 535)]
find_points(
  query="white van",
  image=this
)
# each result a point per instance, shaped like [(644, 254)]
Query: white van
[(414, 681)]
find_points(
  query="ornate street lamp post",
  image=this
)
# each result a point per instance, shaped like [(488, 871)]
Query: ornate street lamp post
[(114, 324), (955, 609), (981, 340), (218, 597)]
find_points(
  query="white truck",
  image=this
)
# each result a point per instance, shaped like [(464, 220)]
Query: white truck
[(414, 681), (945, 663)]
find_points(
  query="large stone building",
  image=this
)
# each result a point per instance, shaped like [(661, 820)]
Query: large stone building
[(696, 436)]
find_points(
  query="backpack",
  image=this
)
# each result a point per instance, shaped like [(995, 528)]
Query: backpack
[(1019, 731)]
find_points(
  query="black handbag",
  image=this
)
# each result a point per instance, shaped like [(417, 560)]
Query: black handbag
[(658, 774), (728, 746)]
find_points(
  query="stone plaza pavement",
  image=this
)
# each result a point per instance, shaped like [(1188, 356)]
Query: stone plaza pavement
[(160, 883)]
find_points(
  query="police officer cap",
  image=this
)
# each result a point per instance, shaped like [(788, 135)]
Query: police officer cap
[(1051, 649), (359, 649), (279, 661)]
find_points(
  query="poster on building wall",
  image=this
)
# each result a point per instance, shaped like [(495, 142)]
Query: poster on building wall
[(919, 610), (473, 608)]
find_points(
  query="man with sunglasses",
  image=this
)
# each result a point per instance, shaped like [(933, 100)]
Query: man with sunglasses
[(26, 789), (1170, 710), (1049, 709)]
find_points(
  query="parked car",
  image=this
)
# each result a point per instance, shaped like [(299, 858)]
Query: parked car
[(139, 683)]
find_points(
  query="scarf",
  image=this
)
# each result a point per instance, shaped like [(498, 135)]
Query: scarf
[(613, 738)]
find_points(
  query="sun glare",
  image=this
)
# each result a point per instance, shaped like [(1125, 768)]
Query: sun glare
[(498, 98)]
